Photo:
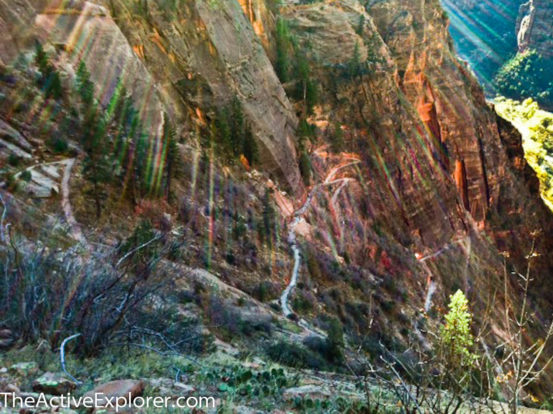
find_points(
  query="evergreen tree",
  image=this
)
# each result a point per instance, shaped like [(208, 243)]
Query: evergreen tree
[(305, 132), (361, 25), (85, 86), (223, 133), (41, 60), (306, 88), (251, 150), (172, 156), (237, 127), (282, 66), (335, 341), (337, 139), (268, 218), (49, 80), (355, 66), (311, 95), (305, 166), (97, 168), (456, 339)]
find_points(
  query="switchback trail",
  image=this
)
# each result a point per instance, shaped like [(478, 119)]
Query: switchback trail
[(292, 239), (74, 227)]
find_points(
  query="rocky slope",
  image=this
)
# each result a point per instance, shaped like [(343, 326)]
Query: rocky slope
[(428, 193)]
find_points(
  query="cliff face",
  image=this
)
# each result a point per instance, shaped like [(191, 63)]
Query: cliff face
[(178, 60), (436, 175), (534, 27), (428, 187)]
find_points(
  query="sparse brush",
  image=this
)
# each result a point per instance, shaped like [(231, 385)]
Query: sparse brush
[(51, 295)]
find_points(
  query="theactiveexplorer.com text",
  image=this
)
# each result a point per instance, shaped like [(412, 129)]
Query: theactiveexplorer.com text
[(102, 401)]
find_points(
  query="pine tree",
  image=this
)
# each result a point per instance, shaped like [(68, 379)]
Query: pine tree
[(237, 127), (97, 168), (251, 150), (361, 25), (172, 156), (455, 335), (53, 88), (355, 67), (337, 139), (268, 218), (41, 60), (305, 166), (85, 86), (305, 132), (49, 80), (282, 66), (223, 133), (335, 341), (311, 95)]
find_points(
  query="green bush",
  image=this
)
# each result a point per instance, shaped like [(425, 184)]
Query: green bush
[(295, 355), (14, 160), (58, 145), (26, 176)]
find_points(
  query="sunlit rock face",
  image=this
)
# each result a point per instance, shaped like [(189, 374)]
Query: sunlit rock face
[(185, 61), (205, 53), (430, 172), (435, 167), (535, 26), (87, 32)]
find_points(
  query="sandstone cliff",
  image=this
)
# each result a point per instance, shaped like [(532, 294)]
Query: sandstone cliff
[(428, 193), (178, 60)]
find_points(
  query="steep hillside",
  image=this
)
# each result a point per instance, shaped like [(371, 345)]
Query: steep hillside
[(287, 180)]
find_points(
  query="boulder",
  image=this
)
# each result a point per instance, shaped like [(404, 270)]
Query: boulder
[(53, 383), (311, 391), (166, 387), (5, 333), (118, 389), (12, 142)]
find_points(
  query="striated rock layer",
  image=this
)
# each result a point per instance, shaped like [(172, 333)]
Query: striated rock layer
[(440, 175), (429, 187), (185, 61)]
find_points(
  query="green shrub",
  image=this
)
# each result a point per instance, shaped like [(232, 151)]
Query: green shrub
[(26, 176), (295, 355), (58, 145), (335, 341), (14, 160), (527, 75), (455, 334)]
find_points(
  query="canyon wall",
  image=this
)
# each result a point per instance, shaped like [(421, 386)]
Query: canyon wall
[(185, 59), (433, 187)]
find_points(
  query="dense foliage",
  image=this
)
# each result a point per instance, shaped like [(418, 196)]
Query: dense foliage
[(527, 75)]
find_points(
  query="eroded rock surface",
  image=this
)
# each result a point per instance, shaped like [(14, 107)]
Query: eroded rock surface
[(535, 26)]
